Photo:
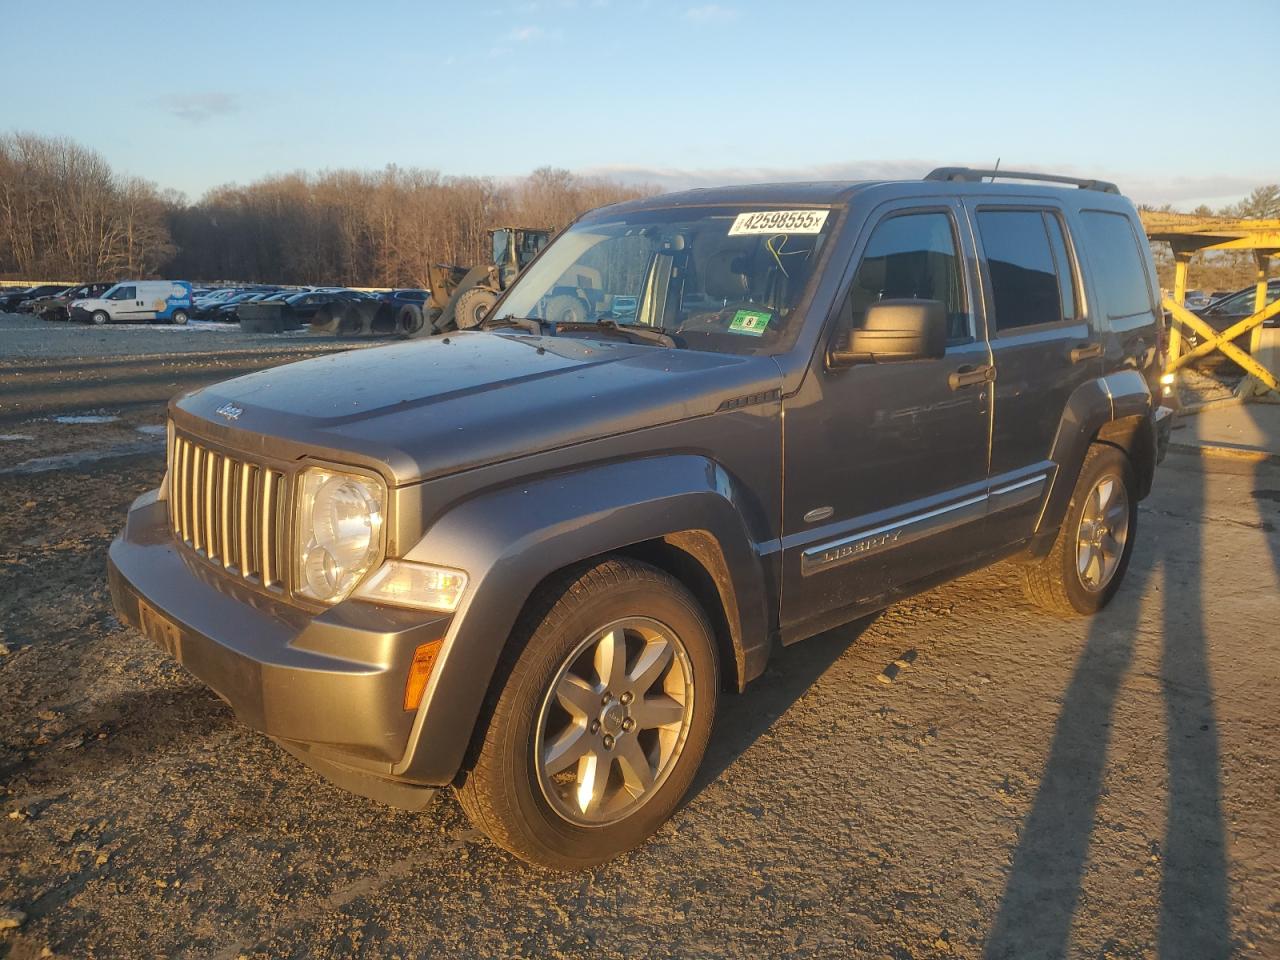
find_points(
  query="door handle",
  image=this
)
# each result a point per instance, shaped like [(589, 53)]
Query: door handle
[(1086, 351), (970, 374)]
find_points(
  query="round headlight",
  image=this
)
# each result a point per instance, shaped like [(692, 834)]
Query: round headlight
[(340, 522)]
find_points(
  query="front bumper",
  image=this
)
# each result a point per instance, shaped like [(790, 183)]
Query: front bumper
[(329, 685)]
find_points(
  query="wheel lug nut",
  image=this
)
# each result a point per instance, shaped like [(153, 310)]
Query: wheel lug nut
[(628, 723), (608, 742), (606, 698), (625, 698), (595, 726)]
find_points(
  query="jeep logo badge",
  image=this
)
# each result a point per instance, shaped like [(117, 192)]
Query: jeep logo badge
[(230, 411)]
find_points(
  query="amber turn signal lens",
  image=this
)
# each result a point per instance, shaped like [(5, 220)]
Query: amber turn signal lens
[(424, 660)]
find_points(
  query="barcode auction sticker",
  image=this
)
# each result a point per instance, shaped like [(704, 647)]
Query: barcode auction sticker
[(779, 221)]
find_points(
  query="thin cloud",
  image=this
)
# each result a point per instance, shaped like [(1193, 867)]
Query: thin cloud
[(711, 13), (522, 35), (199, 107)]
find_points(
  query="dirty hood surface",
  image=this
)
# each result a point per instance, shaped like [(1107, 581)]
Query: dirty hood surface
[(435, 406)]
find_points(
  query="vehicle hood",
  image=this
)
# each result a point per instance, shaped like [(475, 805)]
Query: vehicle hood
[(440, 405)]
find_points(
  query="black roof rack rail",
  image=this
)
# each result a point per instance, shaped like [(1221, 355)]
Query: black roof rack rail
[(971, 175)]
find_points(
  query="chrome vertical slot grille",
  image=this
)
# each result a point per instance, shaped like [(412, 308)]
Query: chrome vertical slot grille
[(228, 510)]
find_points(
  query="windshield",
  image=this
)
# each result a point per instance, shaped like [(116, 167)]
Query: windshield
[(723, 279)]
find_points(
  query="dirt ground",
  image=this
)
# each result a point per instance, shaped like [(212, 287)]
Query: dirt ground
[(961, 776)]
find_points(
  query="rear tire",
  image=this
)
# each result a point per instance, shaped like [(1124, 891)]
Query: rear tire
[(1084, 568), (640, 733), (180, 317)]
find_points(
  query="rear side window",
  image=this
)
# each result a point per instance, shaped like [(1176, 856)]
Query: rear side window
[(1023, 271), (910, 257), (1118, 264)]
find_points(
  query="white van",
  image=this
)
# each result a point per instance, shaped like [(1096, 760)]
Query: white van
[(138, 300)]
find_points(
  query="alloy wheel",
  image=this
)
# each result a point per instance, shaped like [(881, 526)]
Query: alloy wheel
[(1103, 531), (614, 721)]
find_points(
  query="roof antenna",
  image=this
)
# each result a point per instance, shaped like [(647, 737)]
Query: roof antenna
[(995, 170)]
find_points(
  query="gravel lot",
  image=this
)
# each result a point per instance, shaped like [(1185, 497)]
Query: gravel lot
[(961, 776)]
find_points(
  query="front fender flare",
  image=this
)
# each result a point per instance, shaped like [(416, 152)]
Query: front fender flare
[(510, 539)]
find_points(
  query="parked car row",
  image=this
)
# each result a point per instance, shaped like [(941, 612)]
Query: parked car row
[(57, 306), (299, 304), (16, 300), (176, 301), (101, 302)]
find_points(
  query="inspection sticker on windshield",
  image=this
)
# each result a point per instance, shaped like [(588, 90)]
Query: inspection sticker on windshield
[(779, 221), (751, 322)]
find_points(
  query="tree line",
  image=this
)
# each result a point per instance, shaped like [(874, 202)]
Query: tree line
[(65, 214)]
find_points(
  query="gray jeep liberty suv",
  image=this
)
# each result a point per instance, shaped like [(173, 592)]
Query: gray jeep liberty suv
[(526, 560)]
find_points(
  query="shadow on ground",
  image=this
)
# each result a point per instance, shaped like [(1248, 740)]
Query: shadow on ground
[(1043, 888)]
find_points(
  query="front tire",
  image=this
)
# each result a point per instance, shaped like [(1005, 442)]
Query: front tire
[(596, 733), (100, 317), (472, 307), (1084, 568)]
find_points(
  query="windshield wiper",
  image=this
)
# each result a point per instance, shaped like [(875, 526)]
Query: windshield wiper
[(532, 324), (638, 331)]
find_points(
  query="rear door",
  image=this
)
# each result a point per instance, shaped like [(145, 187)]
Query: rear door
[(1043, 346)]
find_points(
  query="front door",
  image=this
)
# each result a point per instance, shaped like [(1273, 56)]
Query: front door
[(124, 304), (886, 463)]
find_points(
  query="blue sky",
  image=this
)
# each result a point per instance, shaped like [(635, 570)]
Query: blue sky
[(676, 92)]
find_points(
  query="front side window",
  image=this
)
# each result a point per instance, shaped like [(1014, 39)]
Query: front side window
[(724, 279), (910, 257), (123, 293), (499, 247), (1020, 262)]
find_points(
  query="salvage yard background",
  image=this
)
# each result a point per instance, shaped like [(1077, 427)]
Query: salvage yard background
[(959, 776)]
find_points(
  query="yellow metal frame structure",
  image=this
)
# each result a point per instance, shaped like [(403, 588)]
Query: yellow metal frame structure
[(1213, 340), (1187, 235)]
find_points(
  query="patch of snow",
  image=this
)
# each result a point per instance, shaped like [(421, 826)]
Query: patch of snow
[(86, 418)]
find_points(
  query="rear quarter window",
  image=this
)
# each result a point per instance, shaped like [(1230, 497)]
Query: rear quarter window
[(1119, 267)]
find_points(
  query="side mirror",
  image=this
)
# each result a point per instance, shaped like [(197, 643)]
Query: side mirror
[(895, 331)]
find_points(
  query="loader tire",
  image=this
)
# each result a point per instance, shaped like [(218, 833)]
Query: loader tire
[(473, 306), (566, 308)]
